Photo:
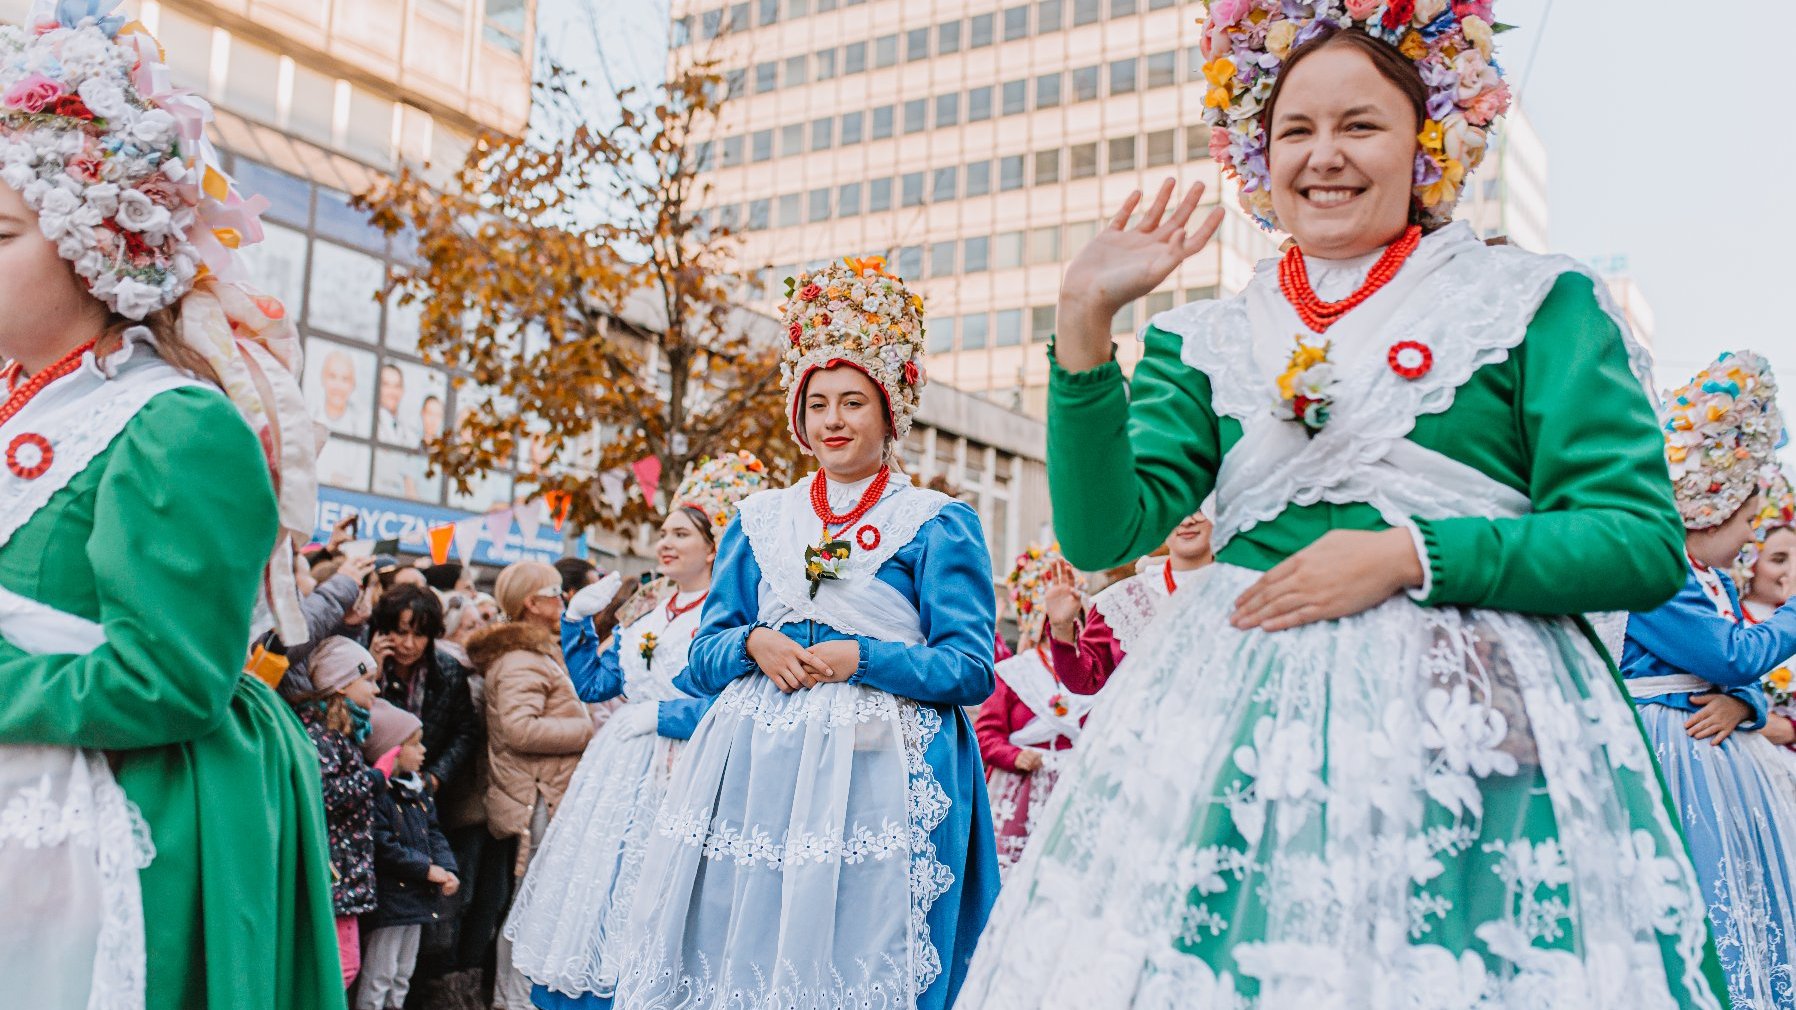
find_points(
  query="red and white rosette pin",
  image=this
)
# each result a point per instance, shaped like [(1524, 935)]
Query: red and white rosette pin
[(867, 537), (29, 456), (1410, 359)]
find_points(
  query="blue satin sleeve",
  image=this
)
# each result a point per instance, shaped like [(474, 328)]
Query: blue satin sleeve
[(719, 652), (1687, 635), (677, 719), (958, 607), (597, 676)]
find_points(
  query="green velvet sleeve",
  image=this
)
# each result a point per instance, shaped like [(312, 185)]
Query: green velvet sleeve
[(1127, 462), (1604, 533), (184, 519)]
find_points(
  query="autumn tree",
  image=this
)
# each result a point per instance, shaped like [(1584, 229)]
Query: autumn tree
[(573, 277)]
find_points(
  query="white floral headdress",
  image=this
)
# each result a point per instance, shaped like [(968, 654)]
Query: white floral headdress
[(1777, 513), (855, 313), (716, 486), (1721, 431)]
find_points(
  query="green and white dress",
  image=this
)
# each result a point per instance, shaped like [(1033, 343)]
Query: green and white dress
[(1444, 801), (130, 557)]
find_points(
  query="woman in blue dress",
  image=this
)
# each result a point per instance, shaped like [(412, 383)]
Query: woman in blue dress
[(826, 840), (1693, 667)]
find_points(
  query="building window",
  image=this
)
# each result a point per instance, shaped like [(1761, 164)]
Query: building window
[(977, 256), (979, 104), (735, 82), (1084, 160), (1121, 155), (945, 185), (854, 58), (1087, 11), (795, 70), (853, 123), (769, 12), (761, 145), (1016, 97), (826, 64), (973, 330), (1085, 84), (1007, 250), (1163, 69), (916, 115), (979, 178), (821, 134), (710, 23), (848, 200), (1122, 77), (979, 30), (504, 26), (758, 213), (885, 50), (791, 139), (1162, 148), (1203, 294), (1047, 167), (947, 38), (1009, 328), (791, 209), (1010, 173), (1156, 5), (882, 122), (1049, 16), (739, 17), (817, 208), (1160, 301), (732, 151), (1041, 324), (1016, 23), (916, 45), (910, 261), (767, 76), (941, 259), (1123, 8), (799, 8), (1044, 245), (947, 110), (681, 35), (1197, 142), (940, 336), (1125, 319), (879, 195), (911, 190), (1047, 91), (1079, 233)]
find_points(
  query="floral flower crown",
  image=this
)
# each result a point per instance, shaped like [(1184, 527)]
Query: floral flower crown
[(1028, 585), (1246, 42), (114, 158), (1778, 512), (856, 313), (716, 486), (1721, 431)]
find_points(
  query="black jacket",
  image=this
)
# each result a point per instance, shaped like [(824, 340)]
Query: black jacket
[(407, 842), (454, 733)]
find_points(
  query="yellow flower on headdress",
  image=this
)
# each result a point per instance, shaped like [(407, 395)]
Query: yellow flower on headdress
[(1413, 46), (1452, 174), (865, 265), (1433, 138)]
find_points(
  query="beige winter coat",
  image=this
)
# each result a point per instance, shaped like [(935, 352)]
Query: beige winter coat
[(536, 726)]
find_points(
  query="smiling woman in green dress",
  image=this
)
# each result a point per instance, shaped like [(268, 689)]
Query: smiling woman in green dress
[(161, 824), (1370, 758)]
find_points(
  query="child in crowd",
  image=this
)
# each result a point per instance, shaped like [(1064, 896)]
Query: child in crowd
[(336, 714), (412, 863)]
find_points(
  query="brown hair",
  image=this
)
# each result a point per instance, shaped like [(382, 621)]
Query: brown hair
[(165, 325), (1392, 65)]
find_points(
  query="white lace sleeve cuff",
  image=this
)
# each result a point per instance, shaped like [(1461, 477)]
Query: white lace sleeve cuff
[(1426, 589)]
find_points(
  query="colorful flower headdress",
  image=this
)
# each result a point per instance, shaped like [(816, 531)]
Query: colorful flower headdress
[(1028, 588), (113, 158), (1246, 42), (1721, 431), (1777, 513), (716, 486), (855, 313)]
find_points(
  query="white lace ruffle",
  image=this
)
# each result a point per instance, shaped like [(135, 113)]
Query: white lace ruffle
[(1130, 605), (1259, 821), (71, 846)]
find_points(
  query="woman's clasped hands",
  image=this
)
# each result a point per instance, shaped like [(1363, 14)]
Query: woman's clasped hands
[(793, 667)]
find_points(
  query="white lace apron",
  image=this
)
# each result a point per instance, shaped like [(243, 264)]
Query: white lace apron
[(1129, 606), (1272, 821), (1018, 798), (794, 862), (568, 921), (71, 842)]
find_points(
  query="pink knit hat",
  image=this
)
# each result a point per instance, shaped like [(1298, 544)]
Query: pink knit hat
[(392, 726)]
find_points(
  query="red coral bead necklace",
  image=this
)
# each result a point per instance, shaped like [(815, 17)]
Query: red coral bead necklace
[(1318, 315), (23, 393), (869, 498)]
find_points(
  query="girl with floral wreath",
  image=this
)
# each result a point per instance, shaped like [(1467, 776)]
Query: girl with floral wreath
[(566, 923), (1694, 666), (826, 839), (1031, 719), (1371, 757), (162, 831)]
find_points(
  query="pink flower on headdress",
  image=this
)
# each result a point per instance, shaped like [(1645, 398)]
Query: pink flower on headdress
[(1228, 12), (1488, 106), (85, 168), (910, 372), (796, 332), (1463, 9), (1360, 10), (32, 93), (1219, 143)]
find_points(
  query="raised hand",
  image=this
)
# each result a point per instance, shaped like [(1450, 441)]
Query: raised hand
[(1061, 602), (1122, 264)]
